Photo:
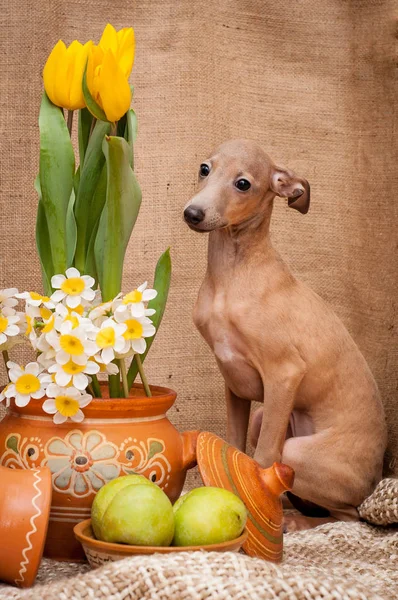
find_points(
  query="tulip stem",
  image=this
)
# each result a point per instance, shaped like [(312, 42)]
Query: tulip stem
[(142, 375), (70, 121), (93, 122), (6, 358), (113, 130)]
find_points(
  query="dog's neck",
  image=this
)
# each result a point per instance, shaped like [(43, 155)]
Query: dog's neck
[(237, 245)]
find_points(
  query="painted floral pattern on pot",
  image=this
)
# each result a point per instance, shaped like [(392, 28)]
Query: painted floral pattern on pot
[(22, 452), (81, 463), (145, 458)]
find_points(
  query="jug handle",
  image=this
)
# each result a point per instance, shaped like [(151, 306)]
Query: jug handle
[(189, 439)]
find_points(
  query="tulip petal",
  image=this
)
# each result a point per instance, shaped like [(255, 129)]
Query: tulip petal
[(126, 49), (109, 39), (76, 98), (56, 57), (114, 89)]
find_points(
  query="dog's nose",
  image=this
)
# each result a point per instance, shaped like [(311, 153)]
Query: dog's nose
[(194, 215)]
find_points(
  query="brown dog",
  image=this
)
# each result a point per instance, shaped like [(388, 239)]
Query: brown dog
[(278, 343)]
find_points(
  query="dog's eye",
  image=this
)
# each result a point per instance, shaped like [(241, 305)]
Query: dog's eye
[(243, 185), (204, 170)]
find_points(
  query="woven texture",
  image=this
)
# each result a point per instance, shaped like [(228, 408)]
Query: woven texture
[(312, 81), (350, 561), (381, 508), (339, 561)]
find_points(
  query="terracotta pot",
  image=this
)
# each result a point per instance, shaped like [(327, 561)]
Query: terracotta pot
[(118, 437), (25, 499)]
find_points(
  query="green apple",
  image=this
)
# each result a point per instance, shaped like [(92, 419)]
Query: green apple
[(140, 515), (106, 495), (208, 515)]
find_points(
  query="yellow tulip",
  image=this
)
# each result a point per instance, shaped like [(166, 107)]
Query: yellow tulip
[(63, 74), (107, 83), (122, 45)]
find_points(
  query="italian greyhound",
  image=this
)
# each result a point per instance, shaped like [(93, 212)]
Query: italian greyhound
[(277, 342)]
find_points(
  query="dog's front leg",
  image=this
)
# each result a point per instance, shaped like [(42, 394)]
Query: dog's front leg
[(238, 414), (279, 395)]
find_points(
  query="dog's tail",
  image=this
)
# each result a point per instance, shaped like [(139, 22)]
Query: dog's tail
[(308, 509)]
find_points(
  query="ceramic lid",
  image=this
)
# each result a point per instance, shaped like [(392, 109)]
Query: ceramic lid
[(221, 465)]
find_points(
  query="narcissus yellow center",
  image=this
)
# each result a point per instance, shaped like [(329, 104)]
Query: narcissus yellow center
[(36, 296), (74, 320), (29, 322), (3, 324), (134, 330), (71, 344), (45, 313), (27, 384), (106, 337), (79, 310), (72, 368), (73, 286), (66, 405), (49, 325), (134, 296)]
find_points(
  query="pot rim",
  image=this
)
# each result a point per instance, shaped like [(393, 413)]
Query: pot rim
[(137, 405)]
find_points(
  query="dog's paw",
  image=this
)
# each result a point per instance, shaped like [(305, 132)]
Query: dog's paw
[(293, 523)]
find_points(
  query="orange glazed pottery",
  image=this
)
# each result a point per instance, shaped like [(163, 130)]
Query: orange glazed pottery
[(98, 553), (259, 489), (25, 500), (117, 437)]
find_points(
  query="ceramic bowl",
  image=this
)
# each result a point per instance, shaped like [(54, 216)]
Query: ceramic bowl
[(99, 553)]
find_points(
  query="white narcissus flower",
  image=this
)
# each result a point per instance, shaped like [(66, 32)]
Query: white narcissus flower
[(108, 368), (4, 397), (25, 383), (134, 301), (35, 299), (8, 327), (71, 373), (110, 339), (65, 314), (71, 344), (6, 298), (73, 288), (136, 330), (65, 403)]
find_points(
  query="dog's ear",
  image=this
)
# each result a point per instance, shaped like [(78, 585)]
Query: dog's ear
[(296, 189)]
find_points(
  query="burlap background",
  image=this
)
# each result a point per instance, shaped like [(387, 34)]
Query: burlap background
[(311, 80)]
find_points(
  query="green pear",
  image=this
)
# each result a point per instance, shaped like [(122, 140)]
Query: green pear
[(140, 515), (208, 515), (106, 495)]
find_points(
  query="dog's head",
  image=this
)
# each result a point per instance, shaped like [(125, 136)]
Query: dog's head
[(238, 182)]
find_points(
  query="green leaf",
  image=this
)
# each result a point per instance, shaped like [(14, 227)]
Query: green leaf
[(92, 106), (89, 204), (43, 243), (71, 231), (56, 173), (123, 200), (132, 126), (162, 285), (130, 134), (84, 127), (99, 202)]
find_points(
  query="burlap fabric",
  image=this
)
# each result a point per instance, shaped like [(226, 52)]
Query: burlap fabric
[(339, 561), (334, 562), (313, 82)]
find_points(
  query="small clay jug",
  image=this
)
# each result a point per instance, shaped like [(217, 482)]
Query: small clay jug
[(25, 500)]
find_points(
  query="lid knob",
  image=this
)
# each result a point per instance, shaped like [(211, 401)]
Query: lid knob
[(279, 478)]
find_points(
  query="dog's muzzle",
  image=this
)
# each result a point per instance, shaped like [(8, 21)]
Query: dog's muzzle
[(194, 215)]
